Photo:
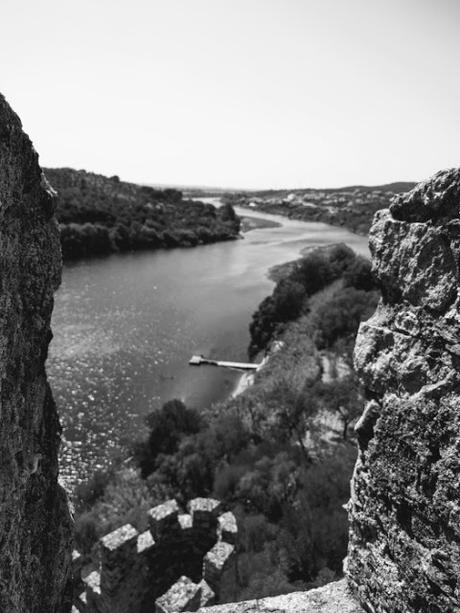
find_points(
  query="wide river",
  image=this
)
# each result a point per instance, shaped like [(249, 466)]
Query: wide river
[(126, 325)]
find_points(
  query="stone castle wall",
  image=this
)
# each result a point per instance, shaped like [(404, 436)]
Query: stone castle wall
[(175, 565)]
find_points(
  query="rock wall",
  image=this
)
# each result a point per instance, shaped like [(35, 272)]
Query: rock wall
[(404, 551), (35, 527)]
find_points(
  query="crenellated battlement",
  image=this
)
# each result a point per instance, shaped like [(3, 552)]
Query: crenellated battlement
[(175, 565)]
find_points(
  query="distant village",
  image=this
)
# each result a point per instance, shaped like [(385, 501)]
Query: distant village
[(331, 200), (351, 207)]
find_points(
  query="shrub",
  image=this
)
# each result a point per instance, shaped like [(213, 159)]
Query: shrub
[(341, 316), (359, 275), (89, 492), (167, 427), (86, 531)]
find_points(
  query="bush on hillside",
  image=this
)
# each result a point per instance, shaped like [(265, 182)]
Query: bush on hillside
[(311, 274), (168, 426), (340, 317)]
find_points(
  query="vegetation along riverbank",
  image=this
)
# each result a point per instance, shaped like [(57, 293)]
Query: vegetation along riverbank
[(350, 207), (279, 455), (99, 215)]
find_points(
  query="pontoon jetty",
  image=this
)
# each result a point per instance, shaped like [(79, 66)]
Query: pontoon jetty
[(199, 360)]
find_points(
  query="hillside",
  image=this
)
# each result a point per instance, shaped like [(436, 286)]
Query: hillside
[(100, 215), (352, 207)]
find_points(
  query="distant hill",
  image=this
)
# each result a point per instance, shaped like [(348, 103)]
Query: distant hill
[(197, 191), (396, 187), (100, 215), (352, 207), (202, 191)]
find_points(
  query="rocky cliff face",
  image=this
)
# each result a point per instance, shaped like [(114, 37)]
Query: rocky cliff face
[(404, 552), (35, 529)]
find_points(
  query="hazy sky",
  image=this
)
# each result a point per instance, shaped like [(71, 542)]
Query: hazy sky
[(237, 93)]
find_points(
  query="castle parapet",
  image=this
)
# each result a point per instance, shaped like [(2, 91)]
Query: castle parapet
[(175, 565)]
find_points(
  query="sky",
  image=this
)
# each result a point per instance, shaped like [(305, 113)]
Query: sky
[(237, 93)]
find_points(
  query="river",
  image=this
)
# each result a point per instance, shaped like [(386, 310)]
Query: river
[(126, 325)]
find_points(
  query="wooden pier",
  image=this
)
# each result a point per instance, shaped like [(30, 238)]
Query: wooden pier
[(200, 360)]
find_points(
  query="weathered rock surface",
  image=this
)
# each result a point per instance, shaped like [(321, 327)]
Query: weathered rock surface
[(404, 551), (332, 598), (35, 528)]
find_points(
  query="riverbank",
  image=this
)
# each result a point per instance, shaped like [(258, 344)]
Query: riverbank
[(343, 274), (100, 215)]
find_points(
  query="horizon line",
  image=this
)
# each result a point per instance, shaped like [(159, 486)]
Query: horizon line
[(195, 187)]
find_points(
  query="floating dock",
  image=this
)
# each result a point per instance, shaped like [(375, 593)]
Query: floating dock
[(199, 360)]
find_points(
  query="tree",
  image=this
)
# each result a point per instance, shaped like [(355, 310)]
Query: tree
[(294, 409), (342, 314), (227, 213), (167, 427), (359, 275), (288, 298), (343, 396)]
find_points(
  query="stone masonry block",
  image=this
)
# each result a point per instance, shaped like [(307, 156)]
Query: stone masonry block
[(93, 592), (204, 511), (163, 519), (184, 595), (185, 521), (145, 542), (227, 529), (208, 596), (215, 562)]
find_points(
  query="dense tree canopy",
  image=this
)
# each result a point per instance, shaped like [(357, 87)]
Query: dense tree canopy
[(99, 215), (311, 274)]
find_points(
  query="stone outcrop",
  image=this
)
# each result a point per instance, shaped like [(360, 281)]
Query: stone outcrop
[(404, 550), (176, 565), (35, 527)]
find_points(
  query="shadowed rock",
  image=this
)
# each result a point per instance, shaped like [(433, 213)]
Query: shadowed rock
[(35, 527), (437, 199)]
